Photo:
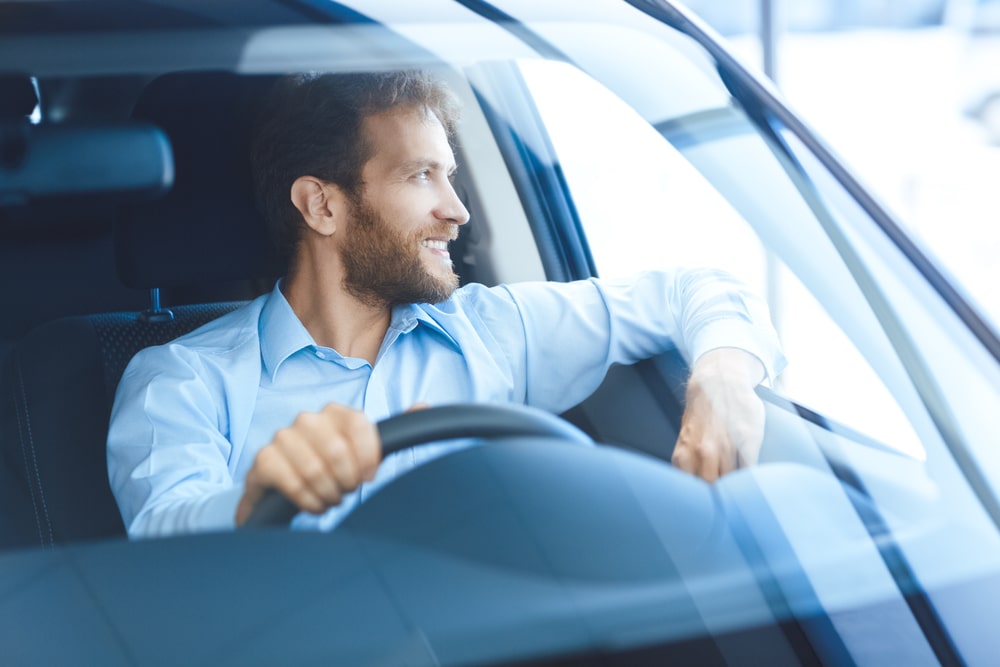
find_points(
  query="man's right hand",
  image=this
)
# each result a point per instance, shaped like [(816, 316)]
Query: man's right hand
[(314, 462)]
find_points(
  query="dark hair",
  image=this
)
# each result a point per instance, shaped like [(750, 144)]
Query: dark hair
[(311, 126)]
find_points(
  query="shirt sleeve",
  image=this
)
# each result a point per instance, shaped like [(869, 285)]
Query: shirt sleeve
[(167, 453), (574, 332)]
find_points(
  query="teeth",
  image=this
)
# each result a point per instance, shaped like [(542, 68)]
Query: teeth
[(434, 245)]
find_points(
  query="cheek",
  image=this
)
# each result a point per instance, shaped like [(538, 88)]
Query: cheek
[(408, 221), (407, 209), (415, 201)]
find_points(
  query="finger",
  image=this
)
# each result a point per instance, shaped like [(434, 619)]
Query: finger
[(683, 456), (727, 455), (252, 494), (327, 437), (341, 463), (709, 461), (273, 468), (310, 478), (362, 436)]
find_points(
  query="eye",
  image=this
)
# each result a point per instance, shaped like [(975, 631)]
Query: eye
[(423, 175)]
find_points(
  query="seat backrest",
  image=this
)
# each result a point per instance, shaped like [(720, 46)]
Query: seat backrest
[(57, 383), (60, 383)]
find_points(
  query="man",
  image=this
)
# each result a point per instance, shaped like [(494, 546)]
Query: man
[(354, 177)]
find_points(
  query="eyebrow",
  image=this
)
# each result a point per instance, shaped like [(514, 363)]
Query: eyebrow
[(416, 165)]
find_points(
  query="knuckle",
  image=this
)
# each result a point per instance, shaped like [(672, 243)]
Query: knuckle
[(306, 420), (334, 448), (332, 409), (350, 476), (295, 489), (334, 497), (281, 437), (357, 424), (313, 471), (336, 457), (266, 458)]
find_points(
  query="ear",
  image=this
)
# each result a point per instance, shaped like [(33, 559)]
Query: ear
[(321, 204)]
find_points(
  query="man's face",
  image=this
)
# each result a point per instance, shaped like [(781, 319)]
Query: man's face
[(396, 248)]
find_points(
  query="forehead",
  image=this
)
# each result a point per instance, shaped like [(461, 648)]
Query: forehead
[(406, 135)]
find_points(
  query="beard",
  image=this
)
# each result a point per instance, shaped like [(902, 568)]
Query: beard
[(384, 268)]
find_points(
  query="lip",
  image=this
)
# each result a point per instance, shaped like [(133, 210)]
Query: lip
[(437, 245)]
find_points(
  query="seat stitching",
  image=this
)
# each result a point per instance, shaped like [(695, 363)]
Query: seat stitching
[(34, 460)]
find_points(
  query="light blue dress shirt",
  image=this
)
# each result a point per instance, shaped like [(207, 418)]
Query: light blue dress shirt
[(190, 416)]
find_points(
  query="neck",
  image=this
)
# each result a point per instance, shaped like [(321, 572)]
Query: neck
[(331, 315)]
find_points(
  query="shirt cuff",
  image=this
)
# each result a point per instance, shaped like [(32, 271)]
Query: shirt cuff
[(741, 335), (212, 513)]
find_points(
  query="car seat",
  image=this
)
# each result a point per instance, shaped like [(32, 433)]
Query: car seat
[(203, 245)]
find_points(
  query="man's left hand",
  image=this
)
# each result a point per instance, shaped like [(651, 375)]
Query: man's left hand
[(723, 424)]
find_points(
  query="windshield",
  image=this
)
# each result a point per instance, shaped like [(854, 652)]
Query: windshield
[(614, 141), (667, 162), (875, 349)]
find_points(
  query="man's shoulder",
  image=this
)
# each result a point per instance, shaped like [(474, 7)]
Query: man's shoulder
[(230, 335), (226, 332), (468, 299), (479, 301)]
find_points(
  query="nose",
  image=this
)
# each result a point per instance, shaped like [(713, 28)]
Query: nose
[(451, 209)]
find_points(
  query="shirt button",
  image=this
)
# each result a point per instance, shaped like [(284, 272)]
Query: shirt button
[(320, 354)]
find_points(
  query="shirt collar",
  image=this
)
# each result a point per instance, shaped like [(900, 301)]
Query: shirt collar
[(406, 318), (282, 334)]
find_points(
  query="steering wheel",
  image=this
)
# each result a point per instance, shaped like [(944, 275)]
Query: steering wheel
[(463, 420)]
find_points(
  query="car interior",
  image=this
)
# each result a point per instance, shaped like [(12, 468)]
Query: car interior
[(124, 262), (127, 219), (145, 282), (113, 271)]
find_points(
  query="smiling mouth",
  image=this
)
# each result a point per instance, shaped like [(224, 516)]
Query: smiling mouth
[(435, 244)]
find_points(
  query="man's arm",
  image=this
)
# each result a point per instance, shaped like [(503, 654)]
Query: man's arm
[(723, 423), (570, 334), (168, 460), (574, 332), (167, 455)]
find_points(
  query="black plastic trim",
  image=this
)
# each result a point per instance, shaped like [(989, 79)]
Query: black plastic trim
[(538, 178), (515, 28)]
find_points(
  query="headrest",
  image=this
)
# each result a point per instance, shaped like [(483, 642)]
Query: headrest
[(207, 228)]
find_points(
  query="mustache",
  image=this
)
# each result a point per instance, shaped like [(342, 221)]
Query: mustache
[(447, 231)]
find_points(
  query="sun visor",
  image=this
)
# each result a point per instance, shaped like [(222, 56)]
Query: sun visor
[(125, 160)]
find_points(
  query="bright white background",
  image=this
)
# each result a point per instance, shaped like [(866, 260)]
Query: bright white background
[(890, 102)]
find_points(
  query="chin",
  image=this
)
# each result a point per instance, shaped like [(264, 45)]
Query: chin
[(446, 286), (441, 270)]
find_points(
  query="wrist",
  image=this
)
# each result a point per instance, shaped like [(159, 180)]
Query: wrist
[(730, 365)]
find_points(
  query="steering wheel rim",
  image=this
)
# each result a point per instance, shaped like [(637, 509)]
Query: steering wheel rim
[(448, 422)]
